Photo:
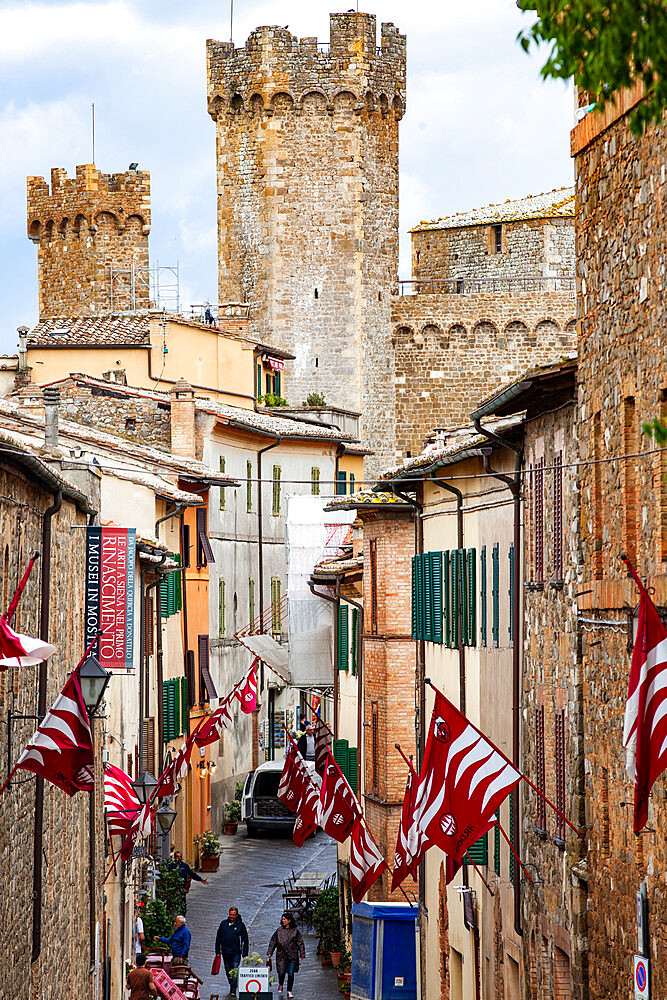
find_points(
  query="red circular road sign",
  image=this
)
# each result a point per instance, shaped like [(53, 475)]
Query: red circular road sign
[(640, 975), (253, 986)]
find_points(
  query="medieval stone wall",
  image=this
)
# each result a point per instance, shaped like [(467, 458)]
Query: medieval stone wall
[(142, 420), (622, 247), (453, 350), (82, 226), (307, 160)]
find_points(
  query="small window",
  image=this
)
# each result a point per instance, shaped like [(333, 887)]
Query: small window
[(130, 425), (352, 482), (540, 767), (277, 387), (317, 295), (276, 610), (374, 586), (341, 483), (258, 381), (498, 239), (276, 491), (222, 488), (204, 550), (251, 602), (248, 486), (374, 745), (558, 515), (315, 481), (221, 609), (269, 382)]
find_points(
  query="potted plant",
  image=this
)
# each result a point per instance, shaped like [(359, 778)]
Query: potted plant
[(344, 971), (209, 850), (232, 816), (326, 922)]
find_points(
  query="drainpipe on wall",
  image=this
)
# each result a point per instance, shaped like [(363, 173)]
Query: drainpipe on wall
[(513, 483), (37, 855)]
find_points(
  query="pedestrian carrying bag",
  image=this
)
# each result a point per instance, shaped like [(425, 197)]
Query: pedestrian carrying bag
[(216, 965)]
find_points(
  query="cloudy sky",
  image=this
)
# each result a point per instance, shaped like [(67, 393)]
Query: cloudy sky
[(480, 124)]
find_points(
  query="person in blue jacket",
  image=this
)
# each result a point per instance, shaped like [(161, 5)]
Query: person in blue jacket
[(231, 942), (179, 942)]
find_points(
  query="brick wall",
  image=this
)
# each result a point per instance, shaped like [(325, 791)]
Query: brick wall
[(307, 166), (622, 244), (453, 350), (81, 226)]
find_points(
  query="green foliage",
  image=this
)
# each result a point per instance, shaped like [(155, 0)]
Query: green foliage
[(170, 890), (238, 794), (326, 919), (314, 399), (656, 429), (232, 811), (345, 958), (208, 844), (269, 399), (605, 45), (157, 922)]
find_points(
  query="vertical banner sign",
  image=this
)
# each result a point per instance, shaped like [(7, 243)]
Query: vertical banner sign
[(110, 554)]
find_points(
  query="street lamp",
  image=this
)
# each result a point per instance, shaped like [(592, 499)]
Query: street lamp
[(93, 679), (166, 815), (144, 786)]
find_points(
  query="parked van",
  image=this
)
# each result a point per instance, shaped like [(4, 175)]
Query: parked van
[(260, 806)]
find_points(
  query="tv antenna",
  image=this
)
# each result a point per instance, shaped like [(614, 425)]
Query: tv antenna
[(93, 128)]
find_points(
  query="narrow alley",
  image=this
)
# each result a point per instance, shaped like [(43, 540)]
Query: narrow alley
[(251, 876)]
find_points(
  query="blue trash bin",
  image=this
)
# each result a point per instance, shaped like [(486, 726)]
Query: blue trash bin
[(384, 965)]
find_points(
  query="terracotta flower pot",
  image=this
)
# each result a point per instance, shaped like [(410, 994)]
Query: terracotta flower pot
[(210, 863), (230, 828), (335, 958), (326, 960)]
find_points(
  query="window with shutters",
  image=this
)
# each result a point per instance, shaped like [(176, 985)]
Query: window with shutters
[(471, 597), (482, 596), (540, 767), (510, 592), (148, 625), (171, 710), (275, 509), (204, 550), (191, 678), (435, 575), (352, 482), (148, 747), (185, 714), (513, 841), (346, 757), (277, 387), (268, 381), (559, 764), (558, 516), (374, 585), (248, 486), (354, 649), (186, 545), (206, 686), (276, 610), (258, 381), (538, 521), (171, 592), (221, 609), (315, 481), (496, 844), (251, 603), (222, 488), (374, 746), (427, 597), (341, 483), (495, 594), (343, 637), (479, 851), (454, 599)]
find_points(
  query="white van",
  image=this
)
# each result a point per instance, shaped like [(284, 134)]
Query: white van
[(261, 809)]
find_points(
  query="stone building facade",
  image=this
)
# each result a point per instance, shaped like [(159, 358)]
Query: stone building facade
[(622, 247), (307, 163), (492, 294), (71, 928), (91, 233)]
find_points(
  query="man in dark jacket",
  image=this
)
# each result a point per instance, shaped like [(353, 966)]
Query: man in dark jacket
[(232, 943), (306, 743)]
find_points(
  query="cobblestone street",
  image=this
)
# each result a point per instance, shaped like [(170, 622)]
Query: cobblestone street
[(251, 877)]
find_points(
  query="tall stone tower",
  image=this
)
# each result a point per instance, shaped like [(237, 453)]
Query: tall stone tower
[(307, 164), (91, 232)]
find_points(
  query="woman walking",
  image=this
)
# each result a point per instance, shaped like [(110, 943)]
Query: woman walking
[(288, 945)]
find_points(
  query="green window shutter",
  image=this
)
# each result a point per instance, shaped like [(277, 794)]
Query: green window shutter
[(248, 486), (479, 851), (463, 585), (170, 710), (510, 556), (222, 488), (269, 382), (428, 597), (495, 593), (341, 483), (164, 596), (352, 768), (258, 386), (455, 598), (414, 597), (482, 595), (436, 595), (184, 705), (511, 836), (446, 600), (421, 591), (352, 482), (276, 490), (178, 586), (355, 641), (315, 481), (341, 754), (251, 600), (343, 637), (276, 610), (496, 844), (221, 609), (471, 586), (276, 384)]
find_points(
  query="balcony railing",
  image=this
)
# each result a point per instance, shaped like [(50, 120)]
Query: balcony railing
[(212, 313), (491, 286)]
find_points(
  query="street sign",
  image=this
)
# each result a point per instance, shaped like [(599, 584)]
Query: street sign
[(253, 979), (641, 978)]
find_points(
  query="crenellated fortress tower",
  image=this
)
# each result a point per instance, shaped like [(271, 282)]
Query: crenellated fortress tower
[(91, 232), (307, 167)]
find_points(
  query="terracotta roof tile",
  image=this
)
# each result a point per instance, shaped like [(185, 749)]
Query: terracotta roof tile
[(558, 203), (85, 331)]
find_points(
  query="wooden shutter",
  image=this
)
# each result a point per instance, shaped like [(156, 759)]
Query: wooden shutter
[(341, 483), (204, 550), (482, 595), (558, 515), (374, 745), (340, 754), (343, 637), (184, 705), (355, 641), (471, 596), (315, 481), (495, 593), (251, 602), (436, 596), (446, 599), (428, 596), (275, 508), (510, 556), (559, 754), (513, 842), (539, 521), (496, 844), (415, 583), (276, 383), (352, 482), (190, 674), (248, 486), (164, 596), (222, 488), (455, 598), (221, 609), (276, 601), (171, 710), (186, 545), (148, 625), (258, 380), (374, 589), (479, 851), (540, 767), (148, 753), (352, 757), (206, 686)]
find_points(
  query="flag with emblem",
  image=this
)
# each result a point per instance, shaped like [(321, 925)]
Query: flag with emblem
[(404, 864), (61, 750), (17, 650), (322, 744), (339, 808), (293, 778), (366, 862), (247, 693), (308, 810), (121, 804), (178, 769), (463, 780), (211, 730), (645, 728)]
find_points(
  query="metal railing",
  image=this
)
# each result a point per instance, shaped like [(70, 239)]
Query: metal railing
[(475, 286), (212, 313)]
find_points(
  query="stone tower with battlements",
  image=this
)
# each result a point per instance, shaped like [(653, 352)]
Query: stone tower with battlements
[(91, 232), (307, 168)]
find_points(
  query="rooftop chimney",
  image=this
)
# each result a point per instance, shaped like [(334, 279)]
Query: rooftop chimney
[(183, 419), (51, 404), (22, 376)]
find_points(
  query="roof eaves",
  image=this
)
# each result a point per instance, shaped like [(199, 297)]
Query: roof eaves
[(45, 475)]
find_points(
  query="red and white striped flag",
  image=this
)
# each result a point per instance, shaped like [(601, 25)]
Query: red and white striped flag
[(645, 728), (322, 745), (404, 863), (214, 725), (120, 801), (293, 778), (366, 862), (61, 750), (463, 780), (339, 807), (18, 650), (178, 769), (247, 694), (308, 810)]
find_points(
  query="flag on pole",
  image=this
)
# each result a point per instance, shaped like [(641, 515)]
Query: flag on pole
[(463, 780), (18, 650), (366, 862), (308, 810), (178, 769), (123, 809), (247, 694), (339, 808), (61, 750), (645, 728), (404, 863), (322, 745), (214, 725), (293, 779)]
